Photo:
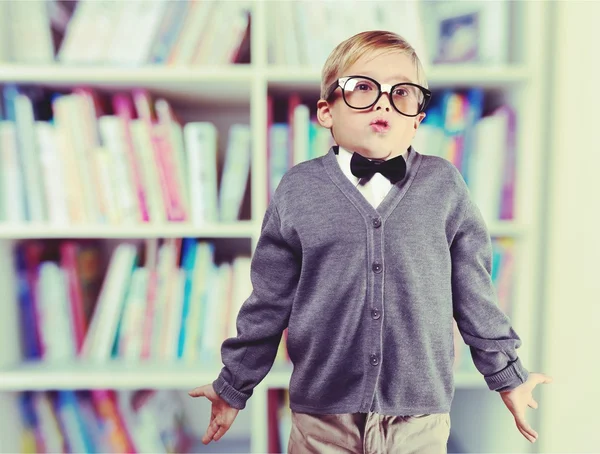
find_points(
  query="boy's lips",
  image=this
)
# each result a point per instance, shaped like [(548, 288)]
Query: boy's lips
[(380, 124)]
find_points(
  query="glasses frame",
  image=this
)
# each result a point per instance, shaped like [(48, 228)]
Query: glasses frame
[(383, 88)]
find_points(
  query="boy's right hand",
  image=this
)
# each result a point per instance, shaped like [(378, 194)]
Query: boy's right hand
[(221, 415)]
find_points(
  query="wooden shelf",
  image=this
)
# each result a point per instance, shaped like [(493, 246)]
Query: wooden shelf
[(38, 376), (231, 83), (112, 375), (507, 229), (304, 79), (222, 84), (241, 229)]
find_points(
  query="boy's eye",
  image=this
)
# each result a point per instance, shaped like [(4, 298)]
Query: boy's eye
[(401, 92), (363, 87)]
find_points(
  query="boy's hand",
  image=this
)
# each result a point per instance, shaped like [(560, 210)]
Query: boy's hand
[(518, 399), (221, 415)]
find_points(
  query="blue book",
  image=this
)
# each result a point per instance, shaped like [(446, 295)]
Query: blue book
[(188, 258)]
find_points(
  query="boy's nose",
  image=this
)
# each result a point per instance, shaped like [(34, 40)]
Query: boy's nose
[(383, 101)]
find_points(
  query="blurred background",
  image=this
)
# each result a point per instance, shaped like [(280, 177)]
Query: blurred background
[(141, 141)]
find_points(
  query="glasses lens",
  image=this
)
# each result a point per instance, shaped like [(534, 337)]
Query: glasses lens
[(408, 99), (359, 92)]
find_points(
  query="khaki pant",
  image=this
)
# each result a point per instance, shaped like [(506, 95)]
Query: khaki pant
[(369, 434)]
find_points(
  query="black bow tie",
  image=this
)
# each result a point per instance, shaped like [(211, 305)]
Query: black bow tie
[(393, 169)]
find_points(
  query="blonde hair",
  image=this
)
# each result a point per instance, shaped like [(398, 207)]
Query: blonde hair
[(349, 51)]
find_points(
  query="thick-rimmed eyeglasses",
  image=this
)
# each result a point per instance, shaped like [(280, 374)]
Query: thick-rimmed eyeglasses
[(362, 92)]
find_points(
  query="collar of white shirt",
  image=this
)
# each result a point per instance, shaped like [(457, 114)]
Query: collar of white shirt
[(344, 157)]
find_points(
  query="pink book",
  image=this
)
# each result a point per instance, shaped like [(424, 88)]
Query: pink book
[(151, 263), (68, 259), (176, 159), (159, 134), (166, 163), (270, 120), (508, 186), (149, 314), (124, 109), (168, 312), (294, 101)]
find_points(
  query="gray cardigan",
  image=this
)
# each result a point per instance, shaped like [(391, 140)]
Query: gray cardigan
[(368, 294)]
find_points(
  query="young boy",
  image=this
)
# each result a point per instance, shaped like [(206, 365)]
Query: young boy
[(366, 254)]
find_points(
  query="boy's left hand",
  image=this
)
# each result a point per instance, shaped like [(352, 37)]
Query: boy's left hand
[(518, 399)]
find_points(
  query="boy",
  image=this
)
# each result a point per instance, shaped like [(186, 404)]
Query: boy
[(366, 254)]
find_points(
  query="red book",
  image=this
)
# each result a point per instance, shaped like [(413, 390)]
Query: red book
[(124, 109), (269, 145), (294, 101), (273, 445), (33, 251), (68, 261)]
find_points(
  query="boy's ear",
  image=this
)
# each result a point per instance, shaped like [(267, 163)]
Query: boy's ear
[(418, 119), (324, 114)]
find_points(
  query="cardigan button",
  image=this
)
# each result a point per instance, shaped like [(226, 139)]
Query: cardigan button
[(374, 360), (375, 314), (377, 267), (376, 222)]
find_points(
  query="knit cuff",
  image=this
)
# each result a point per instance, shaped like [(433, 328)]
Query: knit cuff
[(229, 394), (508, 378)]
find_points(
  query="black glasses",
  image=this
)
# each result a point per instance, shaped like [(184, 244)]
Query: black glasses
[(362, 92)]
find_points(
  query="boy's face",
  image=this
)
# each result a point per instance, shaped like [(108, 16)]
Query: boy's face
[(355, 129)]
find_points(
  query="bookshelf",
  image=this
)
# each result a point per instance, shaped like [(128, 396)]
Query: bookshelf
[(240, 229), (239, 92), (119, 374)]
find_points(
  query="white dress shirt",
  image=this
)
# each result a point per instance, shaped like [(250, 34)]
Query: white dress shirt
[(374, 189)]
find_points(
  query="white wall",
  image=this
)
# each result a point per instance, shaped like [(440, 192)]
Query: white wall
[(571, 314)]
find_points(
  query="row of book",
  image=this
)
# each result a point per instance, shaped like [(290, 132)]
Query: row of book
[(127, 33), (79, 158), (103, 421), (168, 301), (440, 31), (293, 26)]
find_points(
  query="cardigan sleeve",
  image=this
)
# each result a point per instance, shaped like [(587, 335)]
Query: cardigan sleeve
[(481, 322), (248, 357)]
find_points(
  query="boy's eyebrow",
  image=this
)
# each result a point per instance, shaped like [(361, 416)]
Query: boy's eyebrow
[(402, 77), (396, 77)]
